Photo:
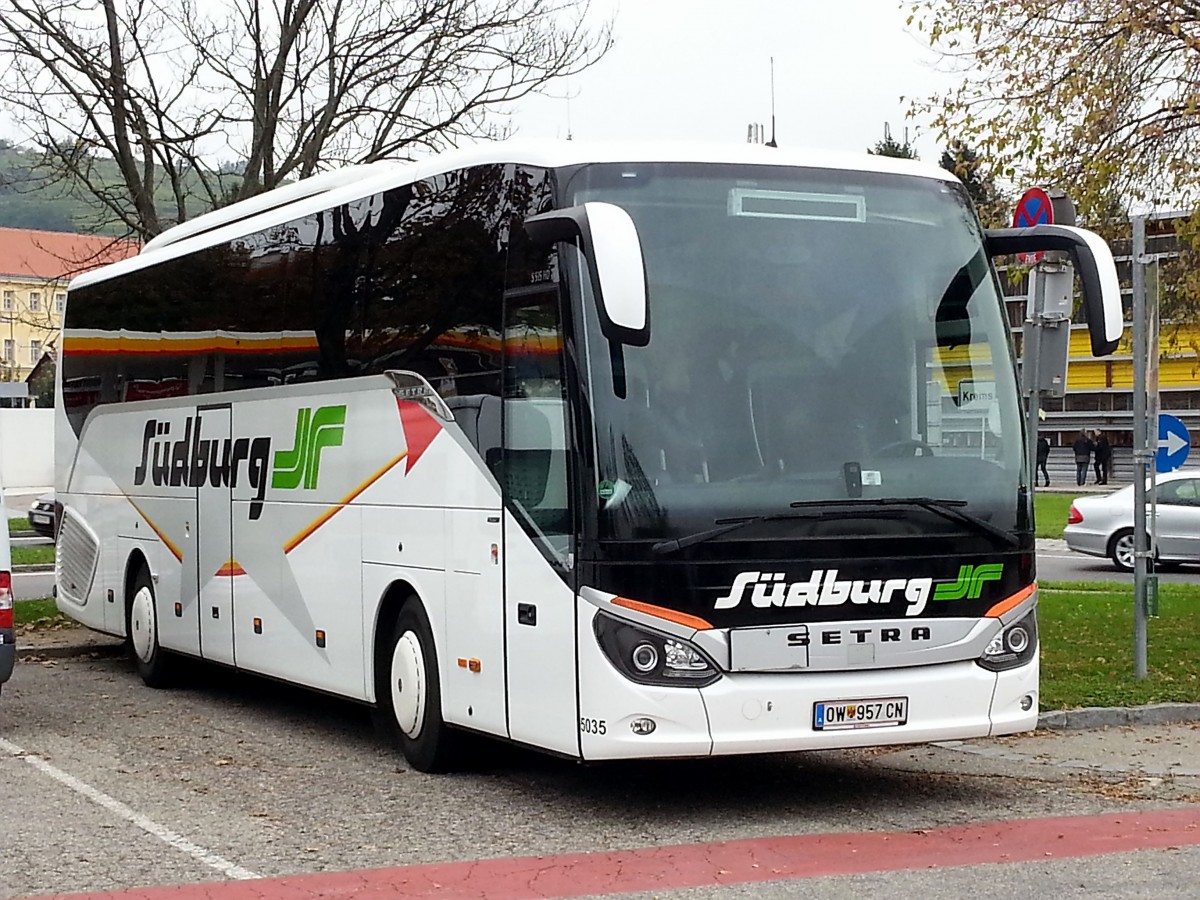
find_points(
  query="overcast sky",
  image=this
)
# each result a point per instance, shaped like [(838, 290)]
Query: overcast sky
[(700, 69)]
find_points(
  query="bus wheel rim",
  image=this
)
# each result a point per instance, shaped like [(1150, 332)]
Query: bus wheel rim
[(141, 623), (408, 684)]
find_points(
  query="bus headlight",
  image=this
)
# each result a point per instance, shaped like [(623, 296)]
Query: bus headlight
[(648, 657), (1015, 645)]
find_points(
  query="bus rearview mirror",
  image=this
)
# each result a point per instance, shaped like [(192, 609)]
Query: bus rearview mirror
[(1094, 264), (610, 243)]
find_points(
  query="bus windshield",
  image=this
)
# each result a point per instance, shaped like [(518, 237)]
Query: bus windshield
[(815, 336)]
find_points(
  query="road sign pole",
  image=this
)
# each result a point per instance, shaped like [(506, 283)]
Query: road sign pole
[(1032, 354), (1143, 455)]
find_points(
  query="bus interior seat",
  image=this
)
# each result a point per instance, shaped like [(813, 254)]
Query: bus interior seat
[(478, 415), (535, 462)]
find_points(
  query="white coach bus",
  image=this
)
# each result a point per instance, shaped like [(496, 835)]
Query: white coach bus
[(612, 451)]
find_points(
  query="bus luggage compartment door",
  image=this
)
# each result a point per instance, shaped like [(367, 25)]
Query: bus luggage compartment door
[(216, 567)]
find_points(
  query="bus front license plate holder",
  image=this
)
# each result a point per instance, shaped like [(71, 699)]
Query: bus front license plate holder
[(875, 712)]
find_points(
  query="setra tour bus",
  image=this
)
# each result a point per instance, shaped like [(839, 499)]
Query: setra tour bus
[(612, 451)]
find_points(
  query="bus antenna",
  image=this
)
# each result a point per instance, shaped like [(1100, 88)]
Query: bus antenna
[(771, 142)]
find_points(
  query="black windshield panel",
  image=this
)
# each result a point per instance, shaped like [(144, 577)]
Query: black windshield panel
[(804, 323)]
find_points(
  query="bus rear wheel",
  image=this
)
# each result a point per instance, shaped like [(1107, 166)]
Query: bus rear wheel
[(408, 693), (141, 625)]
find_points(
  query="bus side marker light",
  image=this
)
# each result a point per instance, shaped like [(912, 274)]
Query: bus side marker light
[(495, 554), (258, 626), (320, 638), (474, 665), (462, 662), (179, 610)]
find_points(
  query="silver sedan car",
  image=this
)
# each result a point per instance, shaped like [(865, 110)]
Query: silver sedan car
[(1102, 525)]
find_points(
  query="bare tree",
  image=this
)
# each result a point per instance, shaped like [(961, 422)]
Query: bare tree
[(157, 90)]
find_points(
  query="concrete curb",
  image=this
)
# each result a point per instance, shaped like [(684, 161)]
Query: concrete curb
[(68, 651), (1115, 716)]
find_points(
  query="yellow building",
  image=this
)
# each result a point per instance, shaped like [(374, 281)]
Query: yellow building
[(35, 268)]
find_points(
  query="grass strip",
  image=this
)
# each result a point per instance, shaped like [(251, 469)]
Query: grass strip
[(1086, 633), (1050, 513), (36, 614), (40, 555)]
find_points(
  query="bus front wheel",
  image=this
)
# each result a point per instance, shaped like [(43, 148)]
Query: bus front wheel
[(409, 693), (141, 625)]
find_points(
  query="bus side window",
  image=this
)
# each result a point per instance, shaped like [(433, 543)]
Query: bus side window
[(534, 470)]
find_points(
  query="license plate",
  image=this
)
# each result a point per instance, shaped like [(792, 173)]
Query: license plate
[(874, 713)]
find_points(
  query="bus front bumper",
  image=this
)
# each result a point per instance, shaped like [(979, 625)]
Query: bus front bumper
[(775, 712)]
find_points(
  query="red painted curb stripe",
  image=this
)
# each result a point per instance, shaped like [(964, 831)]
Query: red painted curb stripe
[(730, 862)]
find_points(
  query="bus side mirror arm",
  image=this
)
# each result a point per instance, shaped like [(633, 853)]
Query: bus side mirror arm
[(1094, 263), (609, 241)]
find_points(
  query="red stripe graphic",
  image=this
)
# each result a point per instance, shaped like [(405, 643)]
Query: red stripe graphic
[(420, 428), (731, 862)]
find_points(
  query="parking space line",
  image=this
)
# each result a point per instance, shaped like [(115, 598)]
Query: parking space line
[(119, 809)]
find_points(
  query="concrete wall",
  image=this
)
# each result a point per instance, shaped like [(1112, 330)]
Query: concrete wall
[(26, 448)]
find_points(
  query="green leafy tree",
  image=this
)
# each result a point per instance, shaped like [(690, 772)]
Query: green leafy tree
[(1100, 97), (975, 175)]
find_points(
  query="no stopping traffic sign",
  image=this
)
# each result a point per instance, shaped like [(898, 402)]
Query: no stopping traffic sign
[(1034, 208)]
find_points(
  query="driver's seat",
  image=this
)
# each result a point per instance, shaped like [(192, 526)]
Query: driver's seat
[(801, 420)]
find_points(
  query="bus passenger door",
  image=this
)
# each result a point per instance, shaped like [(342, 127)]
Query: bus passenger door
[(215, 566), (539, 602)]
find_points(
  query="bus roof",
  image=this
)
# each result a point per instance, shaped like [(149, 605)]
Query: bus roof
[(345, 185)]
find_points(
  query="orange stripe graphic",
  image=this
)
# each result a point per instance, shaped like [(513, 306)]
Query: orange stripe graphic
[(660, 612), (175, 551), (1011, 602), (155, 345), (230, 569), (324, 517)]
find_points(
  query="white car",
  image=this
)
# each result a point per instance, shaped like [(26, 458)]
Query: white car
[(1103, 525)]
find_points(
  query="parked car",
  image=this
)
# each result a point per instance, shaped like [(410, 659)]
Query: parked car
[(41, 515), (8, 638), (1103, 525)]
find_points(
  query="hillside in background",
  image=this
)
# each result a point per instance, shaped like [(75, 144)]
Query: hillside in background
[(29, 199)]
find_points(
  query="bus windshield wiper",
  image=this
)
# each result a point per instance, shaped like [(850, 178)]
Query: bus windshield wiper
[(947, 509), (725, 526)]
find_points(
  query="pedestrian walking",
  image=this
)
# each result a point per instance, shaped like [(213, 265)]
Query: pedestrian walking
[(1103, 457), (1043, 456), (1083, 457)]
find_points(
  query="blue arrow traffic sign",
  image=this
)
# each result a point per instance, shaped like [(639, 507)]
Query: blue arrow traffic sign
[(1174, 442)]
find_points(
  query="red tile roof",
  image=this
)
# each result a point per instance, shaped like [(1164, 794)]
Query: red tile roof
[(57, 255)]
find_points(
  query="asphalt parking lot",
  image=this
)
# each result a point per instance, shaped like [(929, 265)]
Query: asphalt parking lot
[(110, 785)]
